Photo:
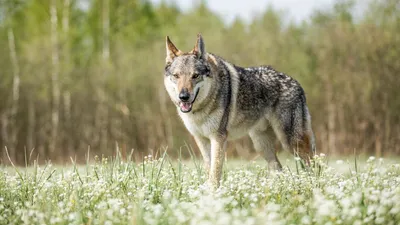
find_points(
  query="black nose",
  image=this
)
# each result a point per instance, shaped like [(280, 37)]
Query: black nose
[(184, 95)]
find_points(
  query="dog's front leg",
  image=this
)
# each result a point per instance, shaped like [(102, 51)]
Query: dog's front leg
[(205, 149), (217, 159)]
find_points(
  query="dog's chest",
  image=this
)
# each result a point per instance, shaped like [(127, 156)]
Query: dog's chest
[(207, 125), (202, 124)]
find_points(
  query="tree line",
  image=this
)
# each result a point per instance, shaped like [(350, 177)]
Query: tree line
[(87, 76)]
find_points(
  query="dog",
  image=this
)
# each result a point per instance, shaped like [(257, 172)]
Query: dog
[(219, 101)]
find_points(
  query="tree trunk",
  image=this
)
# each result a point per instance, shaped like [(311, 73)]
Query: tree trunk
[(55, 80), (106, 30), (69, 152), (387, 125), (4, 135), (66, 74), (31, 124), (331, 108), (168, 133), (9, 119), (102, 109)]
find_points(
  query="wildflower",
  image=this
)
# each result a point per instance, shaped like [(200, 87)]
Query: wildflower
[(370, 159), (339, 162)]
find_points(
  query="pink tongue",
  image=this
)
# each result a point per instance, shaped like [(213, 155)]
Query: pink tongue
[(185, 106)]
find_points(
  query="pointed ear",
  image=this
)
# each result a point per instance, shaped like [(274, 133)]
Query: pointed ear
[(199, 48), (172, 51)]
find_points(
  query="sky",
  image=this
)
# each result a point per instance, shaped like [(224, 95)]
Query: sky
[(297, 10)]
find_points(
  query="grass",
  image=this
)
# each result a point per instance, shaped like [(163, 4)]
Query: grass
[(163, 191)]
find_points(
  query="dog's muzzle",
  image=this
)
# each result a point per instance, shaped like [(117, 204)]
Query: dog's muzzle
[(185, 104)]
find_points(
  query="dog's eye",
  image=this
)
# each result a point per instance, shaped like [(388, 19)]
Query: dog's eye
[(195, 76), (176, 76)]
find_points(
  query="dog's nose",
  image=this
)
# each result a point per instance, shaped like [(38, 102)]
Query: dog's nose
[(184, 95)]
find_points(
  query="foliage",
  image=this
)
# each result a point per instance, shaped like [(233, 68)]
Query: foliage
[(346, 62), (158, 191)]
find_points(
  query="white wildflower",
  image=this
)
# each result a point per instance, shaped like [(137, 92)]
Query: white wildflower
[(339, 162)]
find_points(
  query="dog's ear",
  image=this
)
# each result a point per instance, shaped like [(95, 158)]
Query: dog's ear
[(172, 51), (199, 48)]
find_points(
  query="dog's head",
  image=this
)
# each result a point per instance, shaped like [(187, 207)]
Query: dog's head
[(187, 75)]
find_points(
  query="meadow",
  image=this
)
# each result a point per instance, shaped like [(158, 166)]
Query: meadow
[(74, 76), (166, 191)]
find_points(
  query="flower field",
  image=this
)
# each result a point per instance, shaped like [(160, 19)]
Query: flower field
[(163, 191)]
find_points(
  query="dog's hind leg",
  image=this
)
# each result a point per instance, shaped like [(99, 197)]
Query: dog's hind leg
[(293, 128), (303, 142), (303, 147), (306, 143), (263, 142)]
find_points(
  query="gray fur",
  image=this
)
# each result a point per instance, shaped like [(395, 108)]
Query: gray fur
[(228, 102)]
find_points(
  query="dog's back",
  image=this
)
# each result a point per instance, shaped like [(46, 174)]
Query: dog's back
[(263, 98), (265, 92)]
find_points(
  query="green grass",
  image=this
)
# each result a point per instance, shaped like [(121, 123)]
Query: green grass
[(164, 191)]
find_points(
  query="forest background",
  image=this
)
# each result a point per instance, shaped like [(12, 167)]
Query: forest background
[(79, 79)]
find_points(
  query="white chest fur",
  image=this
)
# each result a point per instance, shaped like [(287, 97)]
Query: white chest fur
[(202, 124), (207, 125)]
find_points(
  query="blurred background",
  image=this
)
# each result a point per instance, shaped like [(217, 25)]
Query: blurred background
[(78, 74)]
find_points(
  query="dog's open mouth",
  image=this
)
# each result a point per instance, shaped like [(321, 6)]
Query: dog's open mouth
[(187, 106)]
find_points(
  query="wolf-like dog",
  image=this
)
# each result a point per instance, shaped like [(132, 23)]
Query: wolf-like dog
[(219, 101)]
